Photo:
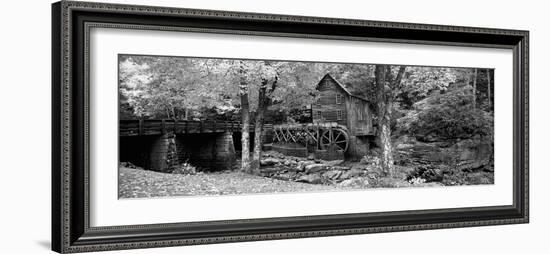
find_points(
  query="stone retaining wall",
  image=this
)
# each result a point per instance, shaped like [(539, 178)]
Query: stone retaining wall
[(290, 149)]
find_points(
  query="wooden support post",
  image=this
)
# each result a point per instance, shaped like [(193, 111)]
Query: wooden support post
[(331, 138), (162, 126), (140, 127), (186, 126), (200, 126), (317, 143)]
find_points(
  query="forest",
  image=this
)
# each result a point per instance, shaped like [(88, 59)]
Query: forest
[(433, 124)]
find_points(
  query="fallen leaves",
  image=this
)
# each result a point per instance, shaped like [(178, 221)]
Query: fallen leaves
[(139, 183)]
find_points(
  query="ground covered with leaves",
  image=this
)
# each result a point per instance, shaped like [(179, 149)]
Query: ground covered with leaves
[(140, 183), (278, 174)]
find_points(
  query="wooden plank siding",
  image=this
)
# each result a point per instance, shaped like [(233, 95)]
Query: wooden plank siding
[(325, 108), (334, 104), (359, 117)]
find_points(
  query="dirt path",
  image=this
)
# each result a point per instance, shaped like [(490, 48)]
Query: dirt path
[(139, 183)]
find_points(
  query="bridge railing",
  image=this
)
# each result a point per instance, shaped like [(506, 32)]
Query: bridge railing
[(161, 126)]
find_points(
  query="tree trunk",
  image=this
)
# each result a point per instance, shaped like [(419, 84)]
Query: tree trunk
[(167, 113), (245, 137), (384, 110), (475, 87), (258, 126), (489, 88), (245, 118), (385, 88)]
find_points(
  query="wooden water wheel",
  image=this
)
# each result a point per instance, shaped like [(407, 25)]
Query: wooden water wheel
[(334, 138)]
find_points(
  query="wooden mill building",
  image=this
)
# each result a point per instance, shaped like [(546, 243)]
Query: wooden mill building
[(337, 103)]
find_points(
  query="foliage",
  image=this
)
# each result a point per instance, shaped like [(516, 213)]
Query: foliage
[(185, 169), (172, 87), (456, 177), (162, 86), (451, 116), (418, 82), (449, 175)]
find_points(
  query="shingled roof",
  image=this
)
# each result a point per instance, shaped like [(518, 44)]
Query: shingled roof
[(349, 88)]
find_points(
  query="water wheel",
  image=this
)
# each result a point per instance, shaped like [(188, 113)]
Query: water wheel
[(334, 138)]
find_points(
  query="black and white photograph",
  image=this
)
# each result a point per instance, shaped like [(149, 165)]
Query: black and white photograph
[(275, 127), (195, 126)]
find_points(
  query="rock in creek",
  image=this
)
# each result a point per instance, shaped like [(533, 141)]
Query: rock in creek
[(310, 178), (354, 172), (354, 182), (332, 174), (302, 164), (333, 163), (269, 162), (313, 168), (341, 168)]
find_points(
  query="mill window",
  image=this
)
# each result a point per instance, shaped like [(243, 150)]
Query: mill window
[(340, 114), (339, 98)]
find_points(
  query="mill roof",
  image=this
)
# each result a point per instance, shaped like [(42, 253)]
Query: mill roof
[(348, 89)]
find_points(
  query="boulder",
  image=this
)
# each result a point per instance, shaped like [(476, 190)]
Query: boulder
[(354, 182), (313, 168), (333, 163), (302, 164), (358, 167), (284, 176), (353, 172), (271, 170), (468, 154), (310, 178), (341, 168), (332, 174), (269, 161)]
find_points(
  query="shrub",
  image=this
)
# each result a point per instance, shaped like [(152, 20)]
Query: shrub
[(448, 175), (185, 169), (451, 117), (458, 177)]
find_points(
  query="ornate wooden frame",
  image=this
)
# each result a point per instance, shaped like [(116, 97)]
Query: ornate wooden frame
[(71, 22)]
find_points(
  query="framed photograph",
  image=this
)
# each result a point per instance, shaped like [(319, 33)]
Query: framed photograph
[(181, 126)]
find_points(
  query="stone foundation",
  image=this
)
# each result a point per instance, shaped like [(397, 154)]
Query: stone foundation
[(328, 155), (163, 156), (290, 149)]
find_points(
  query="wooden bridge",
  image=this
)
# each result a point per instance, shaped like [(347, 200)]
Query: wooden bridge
[(162, 126), (161, 144)]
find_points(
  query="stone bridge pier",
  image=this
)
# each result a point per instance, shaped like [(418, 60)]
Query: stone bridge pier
[(214, 151)]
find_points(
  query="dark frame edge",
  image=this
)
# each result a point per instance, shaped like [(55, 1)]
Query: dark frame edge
[(80, 239), (56, 163), (524, 123)]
